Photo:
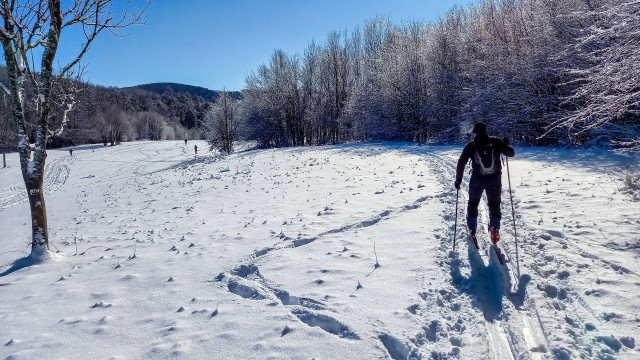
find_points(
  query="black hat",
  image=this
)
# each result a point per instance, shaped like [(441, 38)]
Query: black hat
[(480, 128)]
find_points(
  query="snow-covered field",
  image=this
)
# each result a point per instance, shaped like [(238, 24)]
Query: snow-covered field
[(338, 252)]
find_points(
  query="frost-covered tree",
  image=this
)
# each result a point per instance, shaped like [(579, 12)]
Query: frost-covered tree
[(222, 123), (113, 125), (366, 106), (405, 81), (603, 68), (274, 110), (151, 125), (565, 69), (28, 28)]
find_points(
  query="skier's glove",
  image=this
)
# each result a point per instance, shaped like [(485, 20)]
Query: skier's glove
[(457, 184), (505, 140)]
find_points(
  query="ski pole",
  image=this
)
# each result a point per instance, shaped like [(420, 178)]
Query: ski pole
[(513, 216), (455, 226)]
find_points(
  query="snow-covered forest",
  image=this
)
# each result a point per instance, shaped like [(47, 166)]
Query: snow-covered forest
[(566, 69), (112, 115)]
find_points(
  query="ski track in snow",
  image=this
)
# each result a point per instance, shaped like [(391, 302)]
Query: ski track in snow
[(522, 329), (56, 173), (511, 333)]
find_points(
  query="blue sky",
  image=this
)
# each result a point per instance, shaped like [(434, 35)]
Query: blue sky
[(217, 43)]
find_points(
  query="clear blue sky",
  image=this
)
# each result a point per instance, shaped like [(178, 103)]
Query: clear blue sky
[(217, 43)]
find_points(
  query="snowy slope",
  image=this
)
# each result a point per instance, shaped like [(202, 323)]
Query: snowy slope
[(270, 254)]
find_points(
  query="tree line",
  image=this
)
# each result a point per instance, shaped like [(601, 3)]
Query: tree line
[(111, 115), (539, 71)]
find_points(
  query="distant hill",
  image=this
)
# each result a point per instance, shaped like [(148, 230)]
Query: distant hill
[(205, 93)]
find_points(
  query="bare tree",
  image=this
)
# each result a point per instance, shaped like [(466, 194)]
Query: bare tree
[(151, 125), (405, 80), (36, 25), (222, 123), (273, 95), (113, 125)]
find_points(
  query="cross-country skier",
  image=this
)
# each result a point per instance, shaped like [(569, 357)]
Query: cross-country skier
[(486, 175)]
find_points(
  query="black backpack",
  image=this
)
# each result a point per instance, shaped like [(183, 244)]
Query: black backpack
[(486, 160)]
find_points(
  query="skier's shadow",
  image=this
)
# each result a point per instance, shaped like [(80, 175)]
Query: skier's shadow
[(487, 283)]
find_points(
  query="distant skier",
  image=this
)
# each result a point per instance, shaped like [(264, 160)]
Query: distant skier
[(70, 152), (484, 152), (185, 141), (195, 147)]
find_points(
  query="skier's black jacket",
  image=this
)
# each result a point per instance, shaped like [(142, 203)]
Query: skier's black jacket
[(469, 152)]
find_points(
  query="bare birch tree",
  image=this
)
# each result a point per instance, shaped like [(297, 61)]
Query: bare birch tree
[(28, 27)]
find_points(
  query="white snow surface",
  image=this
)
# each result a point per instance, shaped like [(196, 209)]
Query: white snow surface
[(269, 254)]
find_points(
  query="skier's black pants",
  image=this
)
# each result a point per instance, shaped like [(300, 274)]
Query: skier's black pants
[(492, 184)]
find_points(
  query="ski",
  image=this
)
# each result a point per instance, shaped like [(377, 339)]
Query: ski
[(498, 254), (495, 247), (475, 240)]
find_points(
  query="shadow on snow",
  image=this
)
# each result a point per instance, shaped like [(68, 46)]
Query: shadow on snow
[(488, 283), (36, 257)]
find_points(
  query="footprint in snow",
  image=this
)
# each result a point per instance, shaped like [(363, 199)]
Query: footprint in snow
[(428, 334), (455, 341), (628, 341), (608, 316), (413, 308), (610, 341), (397, 349), (555, 233), (325, 323), (245, 291)]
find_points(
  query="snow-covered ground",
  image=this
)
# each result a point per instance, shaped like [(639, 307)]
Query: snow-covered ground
[(338, 252)]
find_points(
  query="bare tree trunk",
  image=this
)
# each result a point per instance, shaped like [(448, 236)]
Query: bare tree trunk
[(39, 229)]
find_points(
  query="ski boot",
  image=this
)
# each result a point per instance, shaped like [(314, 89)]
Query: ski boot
[(495, 237), (495, 234)]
